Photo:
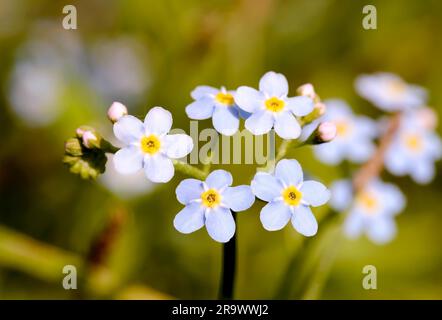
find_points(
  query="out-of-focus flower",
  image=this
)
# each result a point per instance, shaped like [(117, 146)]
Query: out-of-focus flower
[(218, 104), (389, 92), (210, 203), (116, 111), (372, 211), (270, 107), (289, 197), (415, 147), (354, 135), (148, 146)]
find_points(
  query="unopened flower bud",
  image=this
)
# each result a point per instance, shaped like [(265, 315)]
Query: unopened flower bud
[(116, 111), (318, 110), (326, 131), (91, 139), (427, 118), (73, 147), (307, 90)]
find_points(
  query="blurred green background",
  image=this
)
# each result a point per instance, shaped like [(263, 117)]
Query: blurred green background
[(147, 53)]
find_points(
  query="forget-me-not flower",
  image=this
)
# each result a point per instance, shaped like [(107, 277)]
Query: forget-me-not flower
[(354, 135), (389, 92), (371, 211), (148, 145), (218, 104), (270, 107), (414, 149), (210, 203), (289, 197)]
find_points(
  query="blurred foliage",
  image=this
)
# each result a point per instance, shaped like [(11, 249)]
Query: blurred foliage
[(181, 44)]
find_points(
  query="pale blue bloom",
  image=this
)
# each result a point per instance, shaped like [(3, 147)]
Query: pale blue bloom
[(354, 135), (289, 197), (414, 149), (210, 203), (148, 145), (389, 92), (371, 211), (218, 104), (270, 107)]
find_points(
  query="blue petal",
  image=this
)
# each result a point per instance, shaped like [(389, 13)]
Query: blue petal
[(128, 160), (354, 225), (219, 179), (342, 195), (203, 92), (266, 187), (200, 109), (304, 221), (225, 120), (314, 193), (381, 230), (189, 219), (249, 99), (128, 129), (188, 190), (300, 106), (220, 224), (238, 198), (423, 172), (158, 168), (274, 84), (260, 122), (275, 215), (289, 171), (286, 126)]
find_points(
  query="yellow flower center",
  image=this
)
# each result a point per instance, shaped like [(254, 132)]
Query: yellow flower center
[(342, 128), (150, 144), (291, 196), (211, 198), (413, 142), (368, 201), (274, 104), (225, 99)]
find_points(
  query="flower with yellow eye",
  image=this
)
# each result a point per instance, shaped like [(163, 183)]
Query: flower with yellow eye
[(289, 197), (218, 104), (354, 135), (371, 211), (389, 92), (270, 107), (210, 203), (148, 145), (414, 149)]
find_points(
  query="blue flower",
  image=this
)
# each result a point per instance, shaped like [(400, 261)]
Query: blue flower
[(389, 92), (371, 211), (414, 149), (209, 203), (289, 197), (270, 107), (354, 135), (218, 104)]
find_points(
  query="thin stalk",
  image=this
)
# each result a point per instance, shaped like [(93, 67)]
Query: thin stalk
[(189, 170), (228, 269)]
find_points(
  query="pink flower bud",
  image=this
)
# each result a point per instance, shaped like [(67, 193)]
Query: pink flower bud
[(327, 131), (116, 111), (307, 90), (89, 139), (320, 108), (427, 118)]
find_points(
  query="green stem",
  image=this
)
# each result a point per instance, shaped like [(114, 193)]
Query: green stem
[(189, 170), (108, 147)]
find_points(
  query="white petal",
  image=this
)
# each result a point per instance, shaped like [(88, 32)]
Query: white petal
[(219, 179), (188, 190), (287, 127), (158, 168), (249, 99), (177, 145), (274, 84), (200, 109), (289, 171), (238, 198), (300, 106), (189, 219), (266, 187), (128, 129), (158, 121), (353, 225), (203, 92), (275, 215), (220, 224), (304, 221), (382, 230), (226, 120), (260, 122), (128, 160), (314, 193)]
